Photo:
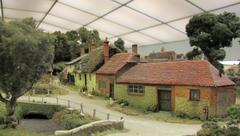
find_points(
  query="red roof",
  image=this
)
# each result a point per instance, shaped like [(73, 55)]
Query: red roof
[(115, 63), (195, 73)]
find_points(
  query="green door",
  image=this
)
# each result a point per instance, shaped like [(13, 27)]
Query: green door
[(164, 100)]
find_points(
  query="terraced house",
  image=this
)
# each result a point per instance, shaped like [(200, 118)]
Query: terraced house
[(181, 86), (83, 69)]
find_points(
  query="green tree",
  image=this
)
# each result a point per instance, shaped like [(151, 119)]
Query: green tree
[(211, 33), (25, 54), (119, 43), (62, 49)]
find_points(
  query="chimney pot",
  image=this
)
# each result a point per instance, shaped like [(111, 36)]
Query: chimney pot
[(135, 48)]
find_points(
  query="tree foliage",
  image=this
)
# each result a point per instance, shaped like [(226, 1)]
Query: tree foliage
[(211, 33), (25, 54), (67, 45), (119, 43)]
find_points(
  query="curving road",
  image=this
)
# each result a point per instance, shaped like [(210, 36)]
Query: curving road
[(138, 126)]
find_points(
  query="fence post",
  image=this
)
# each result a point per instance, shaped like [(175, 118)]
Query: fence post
[(57, 100), (94, 113), (68, 103), (81, 108), (108, 116)]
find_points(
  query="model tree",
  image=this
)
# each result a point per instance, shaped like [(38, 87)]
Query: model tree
[(25, 54), (119, 43), (209, 34)]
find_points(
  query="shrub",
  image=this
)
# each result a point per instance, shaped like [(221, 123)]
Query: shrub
[(234, 114), (181, 114), (152, 108), (71, 119), (95, 93), (232, 131), (123, 102), (210, 129)]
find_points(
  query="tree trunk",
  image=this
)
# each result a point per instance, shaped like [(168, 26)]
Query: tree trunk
[(11, 120)]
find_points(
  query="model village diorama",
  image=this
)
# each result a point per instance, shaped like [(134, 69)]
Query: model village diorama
[(160, 81)]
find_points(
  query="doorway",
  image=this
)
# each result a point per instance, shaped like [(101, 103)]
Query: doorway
[(164, 100), (111, 94)]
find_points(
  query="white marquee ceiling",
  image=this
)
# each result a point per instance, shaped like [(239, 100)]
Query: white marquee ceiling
[(144, 22)]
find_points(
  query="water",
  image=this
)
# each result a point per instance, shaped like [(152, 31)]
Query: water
[(46, 126)]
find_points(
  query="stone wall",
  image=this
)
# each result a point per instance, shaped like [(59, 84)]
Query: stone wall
[(97, 126)]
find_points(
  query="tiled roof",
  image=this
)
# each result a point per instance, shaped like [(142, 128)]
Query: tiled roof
[(195, 73), (115, 63)]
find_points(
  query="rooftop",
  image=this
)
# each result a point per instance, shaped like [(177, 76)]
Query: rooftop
[(195, 73)]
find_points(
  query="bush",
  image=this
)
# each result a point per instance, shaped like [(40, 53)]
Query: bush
[(123, 102), (71, 119), (210, 129), (2, 113), (152, 108), (234, 114), (95, 93), (181, 114), (232, 131)]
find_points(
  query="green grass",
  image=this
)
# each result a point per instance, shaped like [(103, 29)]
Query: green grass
[(160, 116), (71, 119)]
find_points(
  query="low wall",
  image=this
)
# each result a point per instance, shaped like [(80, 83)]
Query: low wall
[(97, 126)]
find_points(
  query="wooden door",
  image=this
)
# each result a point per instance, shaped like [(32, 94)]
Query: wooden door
[(164, 100), (111, 90)]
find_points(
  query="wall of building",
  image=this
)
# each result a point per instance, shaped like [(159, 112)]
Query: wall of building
[(139, 101), (79, 80), (70, 68), (91, 81), (183, 104), (109, 79), (226, 96)]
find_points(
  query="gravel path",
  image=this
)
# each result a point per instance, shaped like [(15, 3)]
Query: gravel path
[(138, 126)]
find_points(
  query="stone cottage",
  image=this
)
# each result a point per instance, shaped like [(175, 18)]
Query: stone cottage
[(180, 86)]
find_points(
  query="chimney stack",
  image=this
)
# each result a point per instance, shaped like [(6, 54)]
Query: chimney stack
[(162, 50), (135, 49), (106, 50), (82, 51)]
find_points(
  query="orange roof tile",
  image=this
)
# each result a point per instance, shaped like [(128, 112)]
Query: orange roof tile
[(115, 63), (195, 73)]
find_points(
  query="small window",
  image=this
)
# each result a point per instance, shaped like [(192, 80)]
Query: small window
[(102, 84), (194, 94), (135, 89)]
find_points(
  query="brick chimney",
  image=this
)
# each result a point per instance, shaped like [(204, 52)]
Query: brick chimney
[(162, 50), (106, 50), (135, 49), (82, 51)]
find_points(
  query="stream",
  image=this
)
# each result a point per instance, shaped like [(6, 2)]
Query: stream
[(46, 126)]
